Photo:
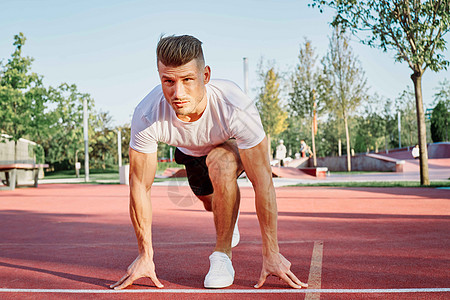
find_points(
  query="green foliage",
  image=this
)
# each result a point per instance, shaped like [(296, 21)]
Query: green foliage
[(273, 116), (53, 117), (104, 142), (23, 99), (37, 152), (369, 129), (328, 136), (345, 82), (293, 134), (125, 131), (343, 76), (440, 116), (439, 122), (64, 138), (164, 151), (308, 92), (413, 29), (406, 104), (306, 84)]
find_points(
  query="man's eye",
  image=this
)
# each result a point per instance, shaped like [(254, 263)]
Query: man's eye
[(188, 79)]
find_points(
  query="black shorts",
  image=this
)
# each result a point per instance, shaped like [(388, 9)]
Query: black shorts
[(197, 173)]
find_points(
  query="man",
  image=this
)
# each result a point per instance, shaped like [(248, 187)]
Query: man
[(305, 149), (416, 152), (218, 134), (280, 153)]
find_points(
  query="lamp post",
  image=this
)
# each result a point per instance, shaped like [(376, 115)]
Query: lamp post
[(119, 147), (86, 140), (399, 130)]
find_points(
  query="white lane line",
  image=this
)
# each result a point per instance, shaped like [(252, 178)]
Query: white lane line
[(135, 245), (233, 291), (315, 271)]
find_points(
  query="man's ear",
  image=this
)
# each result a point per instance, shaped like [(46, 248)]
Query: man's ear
[(206, 74)]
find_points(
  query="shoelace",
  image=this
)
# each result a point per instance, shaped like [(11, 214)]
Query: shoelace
[(218, 263)]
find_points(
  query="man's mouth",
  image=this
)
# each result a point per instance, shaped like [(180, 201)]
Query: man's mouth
[(180, 104)]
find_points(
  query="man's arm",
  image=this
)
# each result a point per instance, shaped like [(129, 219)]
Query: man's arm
[(257, 167), (142, 174)]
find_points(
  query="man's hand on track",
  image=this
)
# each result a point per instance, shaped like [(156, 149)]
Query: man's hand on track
[(141, 267)]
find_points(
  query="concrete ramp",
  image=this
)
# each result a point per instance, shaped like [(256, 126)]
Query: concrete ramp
[(436, 150), (439, 150), (289, 172), (298, 162)]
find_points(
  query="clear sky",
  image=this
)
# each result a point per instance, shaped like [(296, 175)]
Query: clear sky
[(107, 48)]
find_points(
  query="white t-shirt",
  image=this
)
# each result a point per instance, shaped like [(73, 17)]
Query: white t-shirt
[(229, 114)]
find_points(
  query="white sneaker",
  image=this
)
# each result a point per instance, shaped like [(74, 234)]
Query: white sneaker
[(221, 272), (236, 235)]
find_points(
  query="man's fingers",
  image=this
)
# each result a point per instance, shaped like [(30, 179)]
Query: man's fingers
[(127, 280), (125, 283), (156, 281), (289, 281), (119, 282), (295, 279), (261, 281)]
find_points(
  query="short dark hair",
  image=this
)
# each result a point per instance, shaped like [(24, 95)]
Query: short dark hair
[(175, 51)]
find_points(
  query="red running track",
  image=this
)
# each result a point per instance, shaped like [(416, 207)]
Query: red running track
[(79, 237)]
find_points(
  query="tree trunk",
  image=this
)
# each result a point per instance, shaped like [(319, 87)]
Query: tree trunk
[(15, 152), (347, 137), (313, 140), (421, 129), (386, 143)]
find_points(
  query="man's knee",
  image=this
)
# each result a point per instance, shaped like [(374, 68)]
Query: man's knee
[(223, 161)]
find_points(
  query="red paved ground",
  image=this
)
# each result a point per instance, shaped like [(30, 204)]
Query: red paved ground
[(80, 237)]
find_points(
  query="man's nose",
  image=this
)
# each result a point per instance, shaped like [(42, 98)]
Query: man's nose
[(179, 92)]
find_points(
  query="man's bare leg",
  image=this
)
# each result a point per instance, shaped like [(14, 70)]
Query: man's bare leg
[(224, 165)]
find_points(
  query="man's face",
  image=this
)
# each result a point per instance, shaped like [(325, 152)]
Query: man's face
[(184, 88)]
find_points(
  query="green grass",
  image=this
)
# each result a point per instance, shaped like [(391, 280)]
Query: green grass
[(71, 173), (433, 184), (100, 176), (104, 173), (95, 178), (358, 172)]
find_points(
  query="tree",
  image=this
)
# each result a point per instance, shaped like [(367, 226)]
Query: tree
[(440, 119), (405, 103), (329, 137), (65, 139), (103, 141), (22, 96), (439, 122), (369, 129), (273, 117), (413, 29), (345, 81), (126, 136), (306, 83)]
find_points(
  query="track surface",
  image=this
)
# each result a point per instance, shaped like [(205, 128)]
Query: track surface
[(78, 238)]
